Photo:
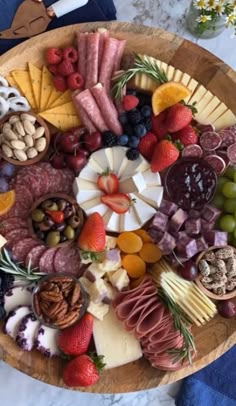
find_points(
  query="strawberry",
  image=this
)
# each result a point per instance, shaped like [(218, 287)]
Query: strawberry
[(75, 81), (70, 54), (75, 340), (129, 102), (83, 370), (108, 182), (118, 202), (186, 136), (65, 68), (59, 83), (92, 236), (146, 145), (53, 56), (178, 117), (159, 127), (165, 154)]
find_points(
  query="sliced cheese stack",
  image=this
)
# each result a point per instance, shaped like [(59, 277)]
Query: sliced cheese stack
[(135, 179), (113, 342)]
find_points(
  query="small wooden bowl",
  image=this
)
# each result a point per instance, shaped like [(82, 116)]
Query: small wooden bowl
[(40, 155), (66, 197), (207, 292)]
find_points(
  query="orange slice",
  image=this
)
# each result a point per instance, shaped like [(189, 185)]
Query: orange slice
[(167, 95), (7, 200)]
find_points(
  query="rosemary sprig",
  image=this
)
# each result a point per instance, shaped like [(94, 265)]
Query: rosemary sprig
[(9, 266), (181, 323), (142, 64)]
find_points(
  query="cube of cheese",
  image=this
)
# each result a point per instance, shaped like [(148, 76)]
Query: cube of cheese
[(110, 242), (98, 310), (3, 241), (94, 271), (112, 261), (119, 279), (113, 342), (98, 291)]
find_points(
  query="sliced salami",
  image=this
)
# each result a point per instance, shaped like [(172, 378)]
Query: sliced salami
[(92, 59), (22, 247), (67, 180), (55, 177), (210, 140), (12, 223), (217, 163), (224, 156), (34, 255), (23, 195), (192, 151), (86, 100), (16, 235), (84, 116), (108, 60), (82, 51), (231, 153), (67, 260), (228, 137), (205, 127), (103, 35), (18, 210), (46, 263), (119, 55)]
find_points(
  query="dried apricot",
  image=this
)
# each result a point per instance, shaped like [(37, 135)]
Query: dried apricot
[(134, 266), (129, 242), (143, 234), (150, 253)]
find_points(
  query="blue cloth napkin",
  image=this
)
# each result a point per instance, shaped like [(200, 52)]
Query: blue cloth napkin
[(94, 10), (214, 385)]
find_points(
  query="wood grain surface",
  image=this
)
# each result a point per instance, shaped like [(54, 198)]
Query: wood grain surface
[(218, 335)]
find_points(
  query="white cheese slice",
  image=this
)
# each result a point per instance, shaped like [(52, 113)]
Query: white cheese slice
[(110, 158), (211, 106), (133, 184), (221, 109), (85, 283), (203, 103), (119, 154), (81, 184), (226, 120), (98, 310), (164, 66), (88, 173), (151, 178), (170, 72), (129, 220), (143, 210), (185, 79), (152, 196), (114, 223), (84, 195), (3, 241), (101, 159), (95, 270), (99, 208), (143, 166), (98, 290), (191, 86), (122, 169), (110, 242), (119, 279), (95, 165), (198, 95), (113, 342), (178, 75), (90, 204)]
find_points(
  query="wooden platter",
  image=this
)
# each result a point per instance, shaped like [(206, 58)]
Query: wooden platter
[(218, 335)]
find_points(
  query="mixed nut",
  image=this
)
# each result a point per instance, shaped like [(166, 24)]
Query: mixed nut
[(56, 220), (22, 137), (59, 301), (218, 270)]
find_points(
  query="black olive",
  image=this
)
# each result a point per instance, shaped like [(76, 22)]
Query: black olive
[(41, 235), (62, 204), (60, 227), (63, 238), (69, 211), (49, 221), (74, 221), (43, 226)]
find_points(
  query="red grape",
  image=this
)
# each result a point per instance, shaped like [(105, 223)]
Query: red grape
[(92, 141), (58, 161), (188, 270), (226, 308), (76, 162)]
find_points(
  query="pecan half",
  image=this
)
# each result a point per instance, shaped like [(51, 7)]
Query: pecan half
[(36, 305), (75, 295), (66, 321), (50, 296)]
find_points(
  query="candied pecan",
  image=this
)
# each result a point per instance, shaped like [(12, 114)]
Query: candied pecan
[(75, 294), (224, 253), (50, 296), (36, 305), (69, 319), (204, 267)]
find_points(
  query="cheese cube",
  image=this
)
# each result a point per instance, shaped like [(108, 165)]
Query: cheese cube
[(112, 261), (98, 310), (98, 291), (110, 242), (85, 283), (119, 279), (95, 271), (3, 241), (113, 342)]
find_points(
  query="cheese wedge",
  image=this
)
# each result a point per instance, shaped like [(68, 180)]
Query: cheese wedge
[(12, 82), (22, 78), (46, 88), (36, 79), (61, 100), (226, 120), (3, 241)]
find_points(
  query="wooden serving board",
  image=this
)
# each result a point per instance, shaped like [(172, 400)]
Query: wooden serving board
[(218, 335)]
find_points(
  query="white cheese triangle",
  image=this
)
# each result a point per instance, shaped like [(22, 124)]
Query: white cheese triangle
[(152, 195)]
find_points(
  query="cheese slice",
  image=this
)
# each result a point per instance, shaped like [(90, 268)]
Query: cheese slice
[(210, 107), (192, 85), (170, 72), (3, 241), (62, 122), (132, 167), (226, 120), (113, 224), (86, 195), (36, 80), (46, 88), (61, 100), (217, 113), (119, 154), (81, 185), (151, 178), (152, 196), (23, 80), (122, 169), (185, 79), (198, 95), (98, 310), (113, 342), (178, 75), (102, 158), (164, 66), (203, 103), (96, 167), (90, 204), (143, 210), (133, 184), (12, 82), (130, 221), (88, 173)]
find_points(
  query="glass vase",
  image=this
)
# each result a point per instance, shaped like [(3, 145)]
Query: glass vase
[(214, 28)]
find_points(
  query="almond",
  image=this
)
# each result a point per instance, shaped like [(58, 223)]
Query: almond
[(39, 132), (20, 155), (9, 134), (7, 151), (13, 119), (40, 144), (28, 139), (18, 128), (18, 144), (32, 152), (29, 117), (29, 127)]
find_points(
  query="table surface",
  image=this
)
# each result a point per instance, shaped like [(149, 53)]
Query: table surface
[(17, 388)]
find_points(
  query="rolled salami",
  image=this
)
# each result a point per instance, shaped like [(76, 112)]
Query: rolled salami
[(82, 52), (107, 65), (119, 55), (86, 101), (92, 59), (103, 35)]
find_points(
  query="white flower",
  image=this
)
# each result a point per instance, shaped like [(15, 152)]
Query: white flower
[(203, 19), (199, 4), (210, 5), (230, 19)]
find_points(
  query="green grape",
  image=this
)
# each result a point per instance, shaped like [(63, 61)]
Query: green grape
[(228, 223), (231, 237), (218, 202), (230, 172), (230, 205), (229, 190), (220, 183)]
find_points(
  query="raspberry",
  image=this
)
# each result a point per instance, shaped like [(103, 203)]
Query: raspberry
[(70, 54), (59, 83), (65, 68), (132, 154), (129, 102), (134, 116), (53, 69), (75, 81), (53, 56)]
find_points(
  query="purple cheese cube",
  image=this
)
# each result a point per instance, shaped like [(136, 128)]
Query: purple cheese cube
[(188, 250), (167, 243), (192, 226), (210, 213), (201, 244), (155, 234), (168, 208), (171, 258), (218, 238), (177, 220), (206, 226), (182, 237), (160, 221)]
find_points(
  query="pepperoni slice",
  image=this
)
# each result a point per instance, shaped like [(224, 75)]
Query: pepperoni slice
[(192, 151), (16, 235), (210, 140), (22, 247), (231, 153), (67, 260), (12, 223), (46, 263), (34, 255), (217, 163)]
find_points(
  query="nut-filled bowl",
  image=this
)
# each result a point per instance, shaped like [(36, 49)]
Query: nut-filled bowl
[(25, 138), (59, 300), (218, 271)]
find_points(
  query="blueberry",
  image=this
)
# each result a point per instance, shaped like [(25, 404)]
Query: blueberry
[(133, 142), (123, 119), (146, 111), (131, 91), (140, 130), (123, 139)]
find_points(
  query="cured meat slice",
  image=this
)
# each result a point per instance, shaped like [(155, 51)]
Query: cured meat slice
[(228, 137), (92, 59), (107, 65), (231, 153), (204, 127), (107, 109), (210, 140), (46, 262), (119, 55), (124, 309), (135, 316), (86, 100), (83, 115), (12, 223), (23, 195), (16, 235), (35, 178), (217, 163), (67, 260), (192, 151), (82, 52), (16, 211), (150, 319), (34, 256), (22, 247), (55, 178), (224, 156), (103, 35), (68, 178)]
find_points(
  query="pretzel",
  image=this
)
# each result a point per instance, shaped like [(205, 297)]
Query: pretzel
[(7, 92), (18, 103), (4, 107), (3, 82)]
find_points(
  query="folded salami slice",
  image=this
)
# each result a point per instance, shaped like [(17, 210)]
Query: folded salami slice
[(22, 247), (228, 137), (84, 116), (82, 51), (92, 59), (16, 235), (192, 151), (12, 223), (104, 34), (107, 65), (231, 153), (34, 256), (67, 260), (86, 100), (46, 262), (210, 140), (216, 162)]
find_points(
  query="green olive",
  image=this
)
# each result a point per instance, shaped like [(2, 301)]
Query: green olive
[(47, 203), (37, 215), (69, 232), (53, 238), (53, 207)]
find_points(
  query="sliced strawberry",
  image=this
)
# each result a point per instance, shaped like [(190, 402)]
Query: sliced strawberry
[(53, 56), (159, 126), (165, 154), (178, 117), (186, 136), (129, 102), (147, 144), (108, 182), (118, 202)]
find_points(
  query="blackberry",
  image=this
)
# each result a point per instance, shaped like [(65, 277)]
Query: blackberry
[(128, 129), (108, 139), (144, 99), (132, 154), (134, 116), (148, 124), (6, 281), (123, 119)]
